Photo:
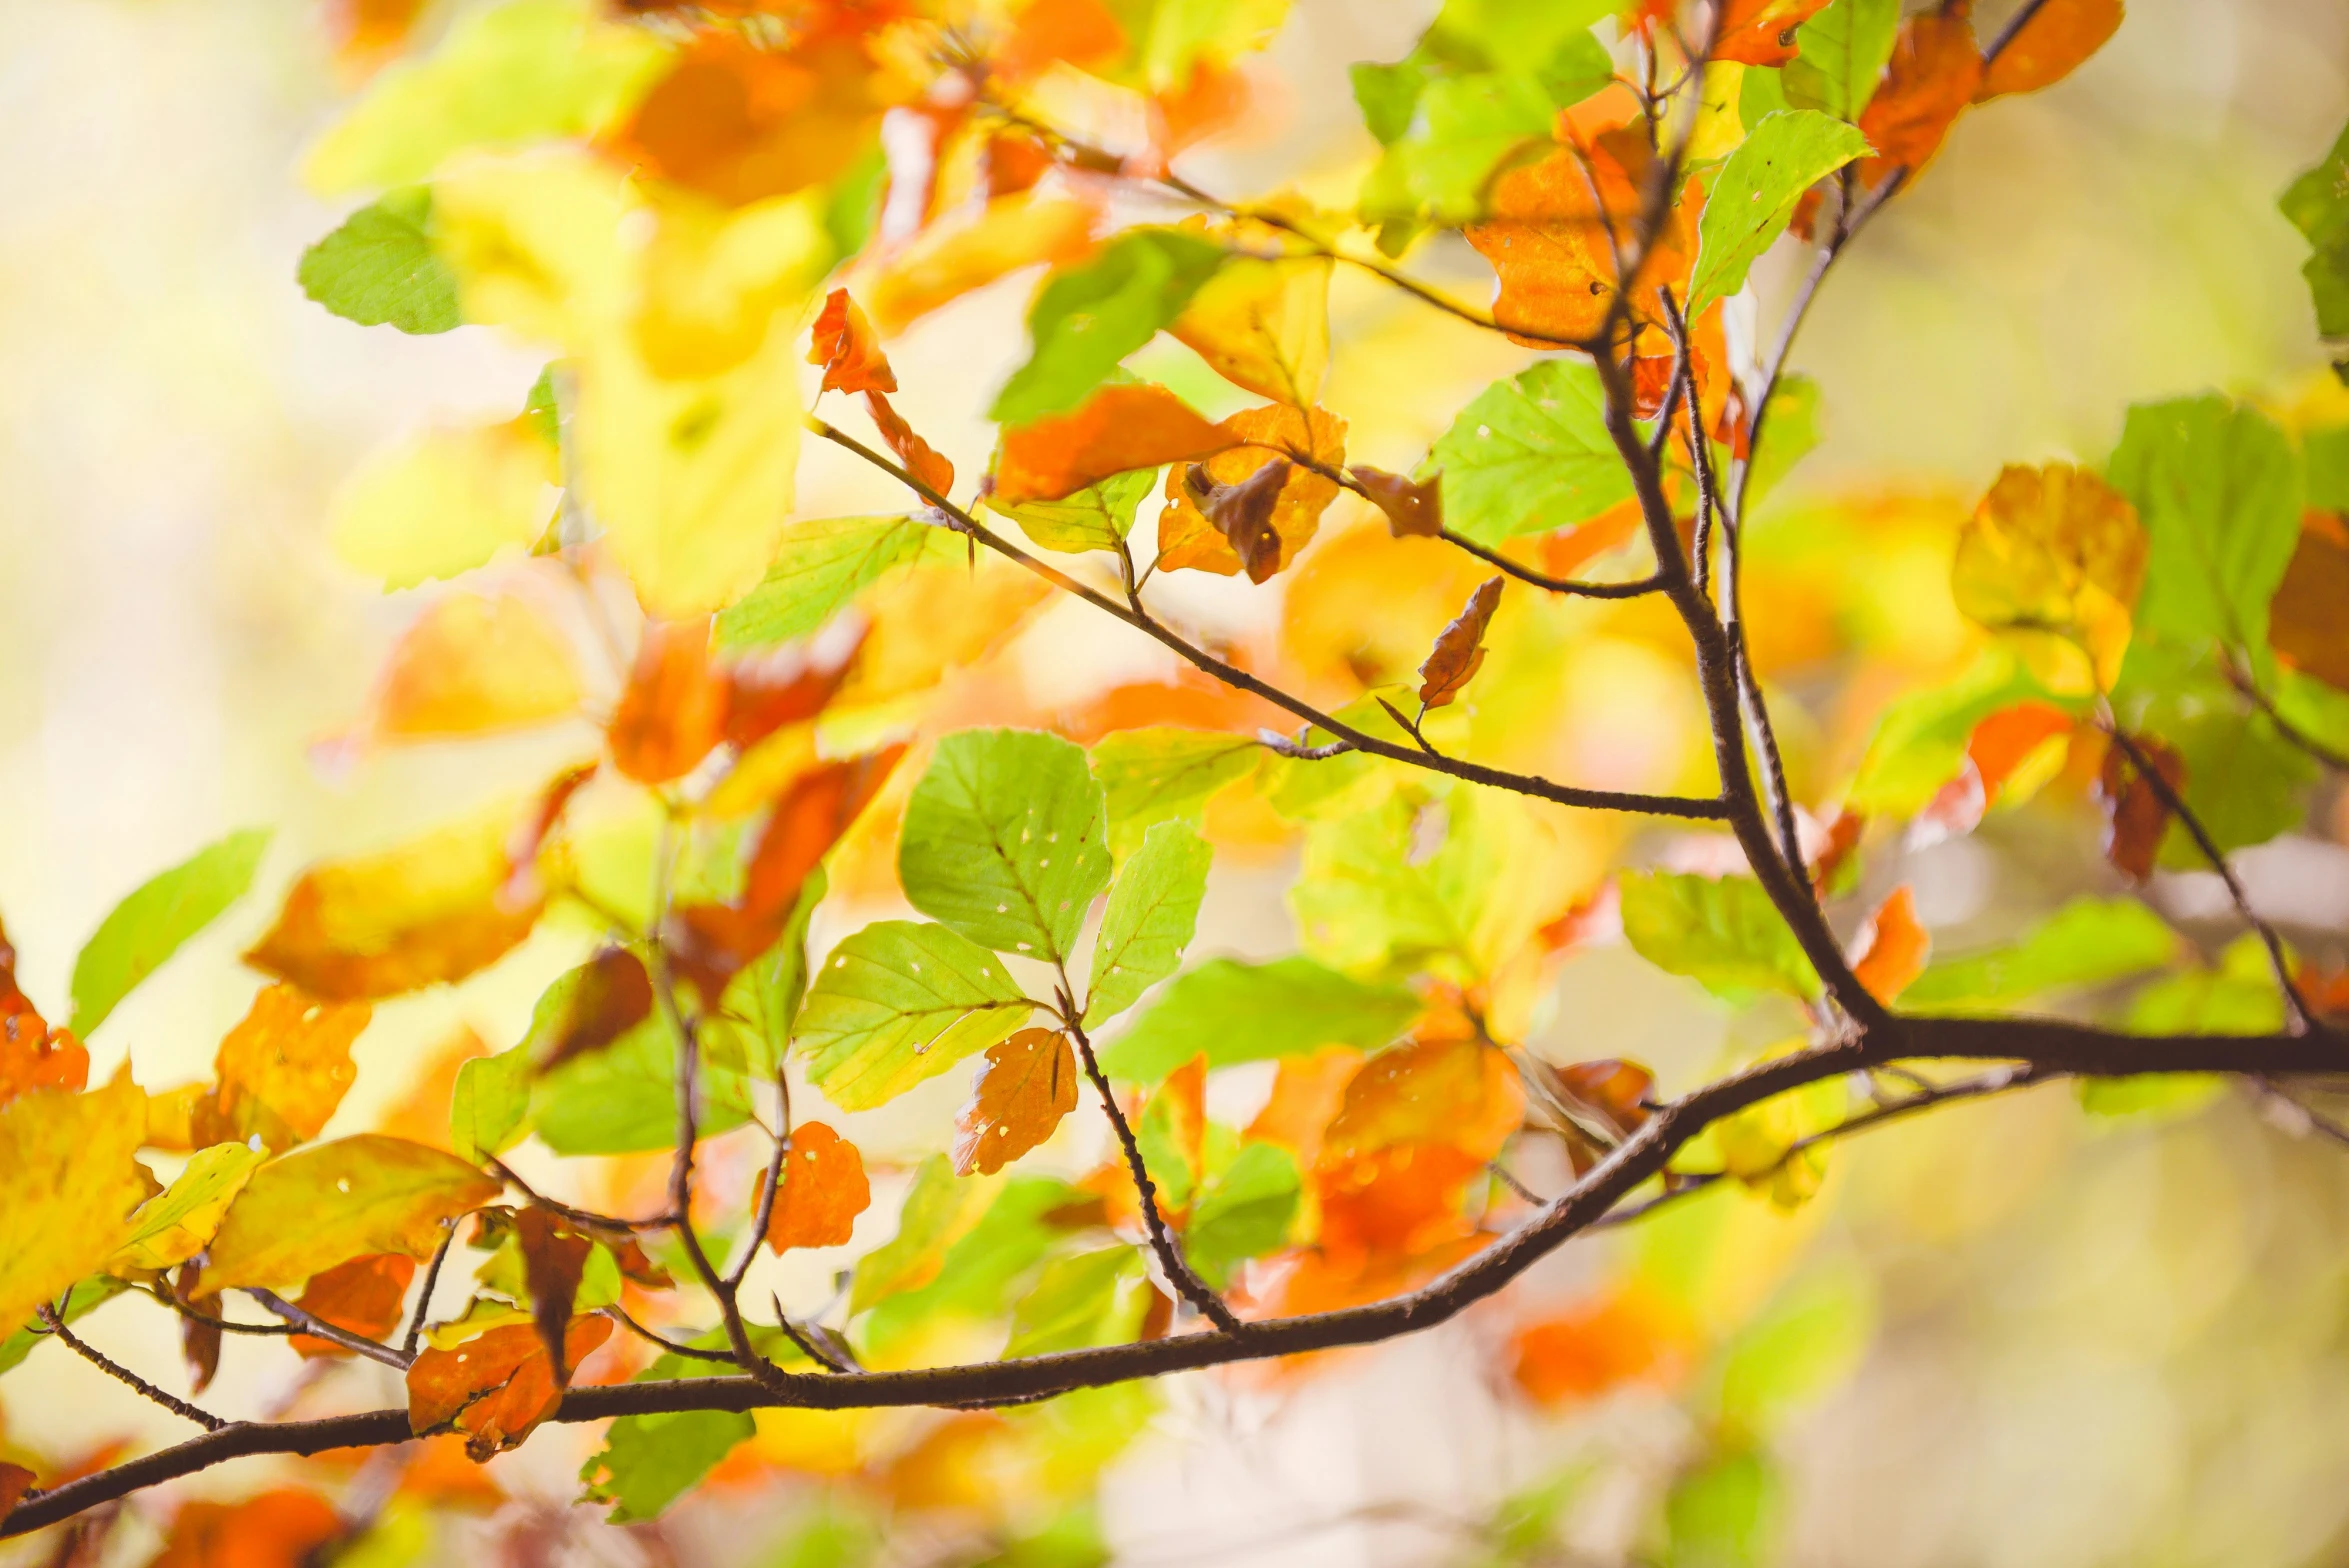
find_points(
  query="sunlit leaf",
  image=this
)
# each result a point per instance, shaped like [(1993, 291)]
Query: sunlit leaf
[(842, 342), (489, 1110), (1457, 1092), (648, 1462), (1593, 1347), (899, 1002), (1235, 1012), (1931, 77), (445, 502), (147, 927), (1722, 932), (495, 1388), (1459, 647), (1152, 911), (824, 1190), (738, 121), (68, 1184), (283, 1069), (305, 1212), (939, 1210), (473, 665), (1762, 32), (1892, 946), (1250, 508), (2218, 488), (673, 711), (1162, 774), (284, 1527), (1755, 193), (1029, 1082), (2054, 552), (1242, 1213), (949, 260), (2051, 45), (1120, 428), (1264, 325), (2317, 204), (1092, 314), (378, 268), (1092, 1298), (1004, 841), (174, 1225), (2088, 942), (365, 1296), (1841, 54), (1097, 517), (1530, 454), (623, 1099), (819, 567)]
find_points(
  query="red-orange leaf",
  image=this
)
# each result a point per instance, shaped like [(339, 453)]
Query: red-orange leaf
[(1761, 32), (1028, 1084), (497, 1386), (785, 685), (2059, 36), (15, 1481), (277, 1529), (2135, 815), (1116, 430), (738, 121), (2308, 621), (1930, 80), (1591, 1348), (1412, 506), (283, 1069), (1892, 947), (674, 709), (33, 1055), (824, 1190), (1459, 647), (919, 458), (845, 346), (363, 1295)]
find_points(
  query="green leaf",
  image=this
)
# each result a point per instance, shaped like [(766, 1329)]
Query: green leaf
[(1095, 518), (1077, 1302), (145, 929), (1722, 932), (92, 1292), (2317, 203), (1841, 56), (489, 1110), (900, 1002), (174, 1225), (1724, 1513), (1237, 1012), (1802, 1346), (525, 71), (623, 1098), (766, 996), (1790, 435), (939, 1209), (2244, 782), (1244, 1213), (1003, 841), (2326, 454), (976, 1276), (2218, 488), (1761, 92), (1755, 193), (2088, 942), (840, 1535), (820, 566), (1091, 315), (1530, 454), (1152, 912), (379, 268), (648, 1462), (542, 406), (1162, 774), (1920, 743)]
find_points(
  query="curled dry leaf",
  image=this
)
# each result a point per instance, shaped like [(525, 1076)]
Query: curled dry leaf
[(496, 1387), (1413, 507), (2052, 44), (1242, 513), (2135, 816), (673, 712), (824, 1190), (1893, 946), (845, 346), (1028, 1083), (1118, 429), (1459, 647), (363, 1296), (920, 459), (554, 1256), (1254, 437), (1933, 74)]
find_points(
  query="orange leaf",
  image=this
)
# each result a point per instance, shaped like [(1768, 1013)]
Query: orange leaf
[(1188, 537), (1459, 647), (2309, 617), (497, 1386), (738, 122), (1307, 1092), (1609, 1093), (824, 1190), (1118, 429), (368, 32), (785, 685), (613, 995), (1579, 1354), (919, 458), (1242, 512), (472, 664), (33, 1055), (364, 1295), (1394, 1202), (283, 1069), (948, 261), (1761, 32), (1930, 80), (1028, 1084), (15, 1481), (1413, 507), (1082, 32), (1459, 1093), (2135, 816), (2059, 36), (844, 345), (277, 1529), (1892, 946), (674, 709)]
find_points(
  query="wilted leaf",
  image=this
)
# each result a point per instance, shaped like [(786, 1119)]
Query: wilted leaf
[(820, 566), (2057, 552), (2052, 44), (1236, 1012), (1093, 313), (1754, 195), (174, 1225), (283, 1069), (843, 343), (305, 1212), (364, 1296), (1928, 82), (2136, 815), (68, 1183), (1722, 932), (1241, 512), (1530, 454), (1412, 507), (1028, 1084), (1459, 647), (445, 502), (145, 929), (378, 268), (2307, 623), (1892, 947), (673, 712), (824, 1190), (919, 458), (899, 1002), (1152, 911), (497, 1387), (33, 1055), (1004, 841), (1248, 508), (1121, 427)]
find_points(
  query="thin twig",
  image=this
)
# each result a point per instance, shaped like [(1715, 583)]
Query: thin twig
[(1296, 750), (2241, 680), (619, 1315), (334, 1334), (583, 1217), (416, 1319), (810, 1345), (1637, 587), (122, 1374)]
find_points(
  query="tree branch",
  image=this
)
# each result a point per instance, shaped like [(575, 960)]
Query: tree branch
[(122, 1374), (318, 1328)]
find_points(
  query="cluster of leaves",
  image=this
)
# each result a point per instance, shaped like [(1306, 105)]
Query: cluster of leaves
[(683, 205)]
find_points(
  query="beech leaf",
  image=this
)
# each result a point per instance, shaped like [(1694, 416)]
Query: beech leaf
[(1027, 1084), (1459, 647), (824, 1190), (305, 1212), (146, 928)]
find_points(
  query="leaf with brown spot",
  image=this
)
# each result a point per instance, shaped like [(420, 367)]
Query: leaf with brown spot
[(2052, 45), (1459, 647), (673, 711), (1932, 76), (1029, 1082), (1892, 946), (1121, 427), (920, 459), (554, 1256), (824, 1190), (2135, 816), (844, 344), (2308, 620), (282, 1070), (496, 1387), (363, 1296), (1255, 439), (1414, 508), (609, 995)]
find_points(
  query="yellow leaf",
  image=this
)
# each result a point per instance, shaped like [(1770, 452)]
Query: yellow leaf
[(445, 503), (173, 1226), (714, 281), (68, 1183), (535, 243), (948, 261), (2056, 556), (474, 663), (1264, 325), (284, 1068), (305, 1212)]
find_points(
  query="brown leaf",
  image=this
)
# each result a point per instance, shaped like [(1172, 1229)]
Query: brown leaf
[(286, 1528), (1242, 513), (674, 709), (2135, 815), (364, 1296), (2059, 36), (1413, 507), (919, 458), (1459, 647), (845, 346), (1892, 946), (613, 995), (496, 1386), (1931, 78), (199, 1342), (1118, 429), (2308, 621), (1189, 538), (554, 1256), (1028, 1084), (282, 1070), (824, 1190)]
